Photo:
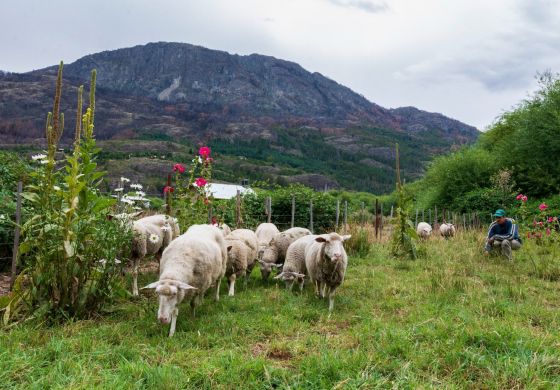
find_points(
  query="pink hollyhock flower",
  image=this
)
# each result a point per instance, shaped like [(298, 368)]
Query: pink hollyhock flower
[(524, 198), (519, 197), (209, 160), (543, 206), (200, 182), (550, 219), (540, 223), (167, 189), (204, 151), (548, 231), (178, 168), (529, 235), (534, 223)]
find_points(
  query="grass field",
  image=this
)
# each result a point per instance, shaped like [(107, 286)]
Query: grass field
[(453, 319)]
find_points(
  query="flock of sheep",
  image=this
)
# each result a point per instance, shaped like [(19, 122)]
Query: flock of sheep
[(424, 230), (193, 262)]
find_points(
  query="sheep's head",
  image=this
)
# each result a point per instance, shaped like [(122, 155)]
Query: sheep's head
[(266, 268), (333, 248), (289, 276), (170, 293)]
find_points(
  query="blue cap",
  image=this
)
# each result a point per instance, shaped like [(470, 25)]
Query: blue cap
[(500, 213)]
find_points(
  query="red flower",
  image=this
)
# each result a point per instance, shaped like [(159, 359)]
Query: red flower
[(543, 206), (168, 189), (204, 152), (178, 168), (529, 235), (200, 182), (550, 219), (524, 198), (548, 231), (206, 201), (519, 197)]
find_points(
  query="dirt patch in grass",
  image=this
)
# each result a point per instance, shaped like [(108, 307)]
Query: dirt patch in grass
[(279, 354)]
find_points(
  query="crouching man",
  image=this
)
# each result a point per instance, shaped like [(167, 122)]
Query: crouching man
[(502, 235)]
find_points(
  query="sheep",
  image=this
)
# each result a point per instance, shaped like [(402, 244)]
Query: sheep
[(294, 266), (190, 265), (151, 235), (241, 257), (265, 232), (326, 262), (226, 230), (274, 254), (447, 230), (424, 230)]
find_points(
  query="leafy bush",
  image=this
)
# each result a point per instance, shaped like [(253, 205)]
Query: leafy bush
[(69, 249)]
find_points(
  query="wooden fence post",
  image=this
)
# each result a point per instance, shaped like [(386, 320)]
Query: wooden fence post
[(423, 217), (435, 218), (337, 214), (416, 219), (16, 234), (381, 223), (269, 209), (311, 216), (430, 216), (293, 210), (210, 214), (362, 216), (391, 215), (345, 215), (238, 210), (376, 219)]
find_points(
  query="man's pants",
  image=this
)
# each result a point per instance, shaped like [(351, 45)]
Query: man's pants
[(507, 246)]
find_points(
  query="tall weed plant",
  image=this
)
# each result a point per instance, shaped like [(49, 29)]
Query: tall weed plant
[(69, 249)]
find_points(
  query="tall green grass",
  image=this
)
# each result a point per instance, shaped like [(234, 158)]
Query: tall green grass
[(452, 319)]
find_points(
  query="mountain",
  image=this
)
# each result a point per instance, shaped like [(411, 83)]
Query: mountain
[(267, 118)]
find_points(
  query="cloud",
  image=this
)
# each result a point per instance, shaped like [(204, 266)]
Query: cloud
[(364, 5)]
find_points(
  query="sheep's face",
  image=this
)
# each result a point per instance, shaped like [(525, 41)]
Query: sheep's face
[(170, 293), (269, 255), (266, 268), (334, 250)]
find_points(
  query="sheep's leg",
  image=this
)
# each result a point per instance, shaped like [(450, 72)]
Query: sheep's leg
[(323, 289), (289, 285), (315, 286), (231, 283), (331, 298), (246, 279), (135, 265), (218, 289), (173, 321), (301, 283), (193, 305)]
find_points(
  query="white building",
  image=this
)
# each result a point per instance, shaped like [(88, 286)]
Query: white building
[(228, 191)]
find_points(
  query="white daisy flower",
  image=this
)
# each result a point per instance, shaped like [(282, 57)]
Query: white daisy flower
[(44, 161), (56, 188), (125, 180), (140, 193), (38, 157), (2, 217), (118, 189), (127, 201), (136, 186), (154, 239)]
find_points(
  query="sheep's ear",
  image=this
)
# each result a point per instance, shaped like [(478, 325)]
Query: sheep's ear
[(278, 265), (298, 275), (229, 247), (346, 237), (185, 286), (320, 239), (279, 276), (151, 285)]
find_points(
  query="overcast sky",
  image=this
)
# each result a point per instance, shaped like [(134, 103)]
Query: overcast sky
[(468, 59)]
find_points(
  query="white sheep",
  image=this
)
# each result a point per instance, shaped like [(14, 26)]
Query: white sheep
[(294, 265), (226, 230), (241, 257), (190, 265), (447, 230), (151, 235), (326, 262), (275, 253), (424, 230), (265, 232)]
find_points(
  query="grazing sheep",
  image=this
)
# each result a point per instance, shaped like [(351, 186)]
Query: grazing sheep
[(192, 263), (151, 235), (424, 230), (326, 261), (294, 266), (265, 232), (241, 257), (447, 230), (275, 253)]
